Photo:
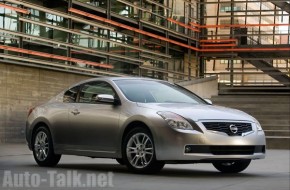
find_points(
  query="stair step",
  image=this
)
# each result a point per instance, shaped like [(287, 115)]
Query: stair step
[(274, 117), (274, 122), (252, 98), (268, 113), (277, 133), (275, 127), (253, 106), (278, 142), (226, 92), (285, 107), (257, 100)]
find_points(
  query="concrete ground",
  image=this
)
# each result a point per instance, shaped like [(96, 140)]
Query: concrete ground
[(271, 173)]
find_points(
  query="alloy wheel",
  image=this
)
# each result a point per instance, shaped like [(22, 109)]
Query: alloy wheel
[(41, 146), (140, 150)]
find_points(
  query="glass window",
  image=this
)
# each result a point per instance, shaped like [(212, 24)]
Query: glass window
[(87, 39), (86, 56), (123, 38), (96, 3), (70, 96), (130, 9), (46, 32), (153, 74), (124, 66), (90, 91), (8, 19), (121, 50), (147, 91)]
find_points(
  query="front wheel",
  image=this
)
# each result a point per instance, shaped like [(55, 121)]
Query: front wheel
[(43, 148), (139, 153), (235, 166)]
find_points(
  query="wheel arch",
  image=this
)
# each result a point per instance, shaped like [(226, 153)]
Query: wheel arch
[(132, 125)]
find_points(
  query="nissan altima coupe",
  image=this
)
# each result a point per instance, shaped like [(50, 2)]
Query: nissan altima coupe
[(143, 124)]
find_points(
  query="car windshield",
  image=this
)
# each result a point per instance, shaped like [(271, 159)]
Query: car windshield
[(149, 91)]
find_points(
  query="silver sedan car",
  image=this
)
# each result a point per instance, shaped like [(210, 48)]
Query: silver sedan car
[(143, 124)]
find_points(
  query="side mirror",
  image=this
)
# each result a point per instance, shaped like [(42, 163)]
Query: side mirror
[(208, 101), (105, 98)]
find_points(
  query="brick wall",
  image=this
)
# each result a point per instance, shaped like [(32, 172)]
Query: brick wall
[(22, 88)]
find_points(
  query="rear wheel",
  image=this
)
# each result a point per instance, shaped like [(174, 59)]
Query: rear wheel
[(139, 153), (43, 148), (234, 166)]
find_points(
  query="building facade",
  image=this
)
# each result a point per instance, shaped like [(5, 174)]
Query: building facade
[(145, 38), (149, 38)]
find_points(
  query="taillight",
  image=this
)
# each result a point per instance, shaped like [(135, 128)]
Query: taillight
[(30, 111)]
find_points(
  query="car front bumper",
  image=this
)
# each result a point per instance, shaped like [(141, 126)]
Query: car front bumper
[(175, 145)]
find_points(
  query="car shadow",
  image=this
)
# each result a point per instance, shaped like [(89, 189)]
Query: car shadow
[(165, 172)]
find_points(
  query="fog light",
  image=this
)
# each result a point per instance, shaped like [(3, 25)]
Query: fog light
[(187, 149)]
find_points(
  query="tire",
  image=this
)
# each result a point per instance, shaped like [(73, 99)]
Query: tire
[(42, 147), (234, 166), (139, 153), (120, 161)]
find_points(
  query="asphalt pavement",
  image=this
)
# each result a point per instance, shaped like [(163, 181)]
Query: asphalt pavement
[(18, 170)]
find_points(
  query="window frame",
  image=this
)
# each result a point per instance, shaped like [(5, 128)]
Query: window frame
[(116, 97)]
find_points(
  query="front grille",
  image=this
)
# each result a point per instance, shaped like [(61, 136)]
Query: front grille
[(225, 150), (225, 127)]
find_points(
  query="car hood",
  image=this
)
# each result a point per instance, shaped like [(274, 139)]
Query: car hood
[(200, 112)]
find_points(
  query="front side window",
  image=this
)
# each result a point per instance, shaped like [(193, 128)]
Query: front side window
[(147, 91), (70, 96), (89, 91)]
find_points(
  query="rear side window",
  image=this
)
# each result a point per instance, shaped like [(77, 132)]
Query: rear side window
[(89, 91), (70, 96)]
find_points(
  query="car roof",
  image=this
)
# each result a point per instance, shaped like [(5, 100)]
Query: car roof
[(120, 78), (115, 79)]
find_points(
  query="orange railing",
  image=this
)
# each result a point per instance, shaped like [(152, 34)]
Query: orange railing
[(24, 11), (235, 25), (52, 56)]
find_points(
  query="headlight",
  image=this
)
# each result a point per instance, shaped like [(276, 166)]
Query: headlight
[(175, 121), (258, 125)]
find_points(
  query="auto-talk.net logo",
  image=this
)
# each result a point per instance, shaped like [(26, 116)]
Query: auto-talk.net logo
[(55, 179)]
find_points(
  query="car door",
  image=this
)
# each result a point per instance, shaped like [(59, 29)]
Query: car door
[(60, 122), (94, 125)]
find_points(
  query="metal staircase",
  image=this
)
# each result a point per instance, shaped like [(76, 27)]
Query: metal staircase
[(266, 67), (285, 6)]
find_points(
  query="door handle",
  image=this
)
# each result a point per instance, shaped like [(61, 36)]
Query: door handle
[(75, 112)]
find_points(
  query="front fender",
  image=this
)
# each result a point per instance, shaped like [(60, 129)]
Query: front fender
[(151, 120), (30, 128)]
